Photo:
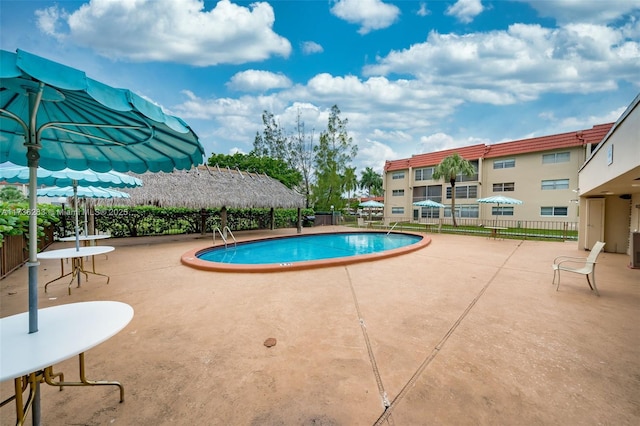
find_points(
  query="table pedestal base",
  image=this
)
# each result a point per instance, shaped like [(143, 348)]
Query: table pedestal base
[(47, 376), (77, 268)]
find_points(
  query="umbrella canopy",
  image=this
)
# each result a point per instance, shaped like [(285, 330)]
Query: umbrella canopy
[(371, 203), (54, 116), (80, 123), (12, 173), (428, 203), (82, 192), (499, 199)]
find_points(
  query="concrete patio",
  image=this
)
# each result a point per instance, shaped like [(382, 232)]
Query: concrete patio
[(467, 331)]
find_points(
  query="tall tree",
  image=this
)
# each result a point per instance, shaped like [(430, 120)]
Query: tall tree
[(333, 154), (272, 167), (448, 169), (349, 182), (302, 155), (371, 181), (273, 142), (295, 150)]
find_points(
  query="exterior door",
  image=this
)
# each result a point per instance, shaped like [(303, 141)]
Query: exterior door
[(595, 222)]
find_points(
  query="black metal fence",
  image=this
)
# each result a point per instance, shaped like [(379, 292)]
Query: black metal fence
[(147, 221), (517, 229)]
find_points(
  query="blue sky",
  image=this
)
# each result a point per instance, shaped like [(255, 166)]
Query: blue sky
[(410, 76)]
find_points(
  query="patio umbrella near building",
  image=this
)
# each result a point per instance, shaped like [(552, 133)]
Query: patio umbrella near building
[(12, 173), (80, 192), (54, 116), (371, 204), (429, 203), (499, 199)]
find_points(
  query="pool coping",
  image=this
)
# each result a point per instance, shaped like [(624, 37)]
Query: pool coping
[(191, 259)]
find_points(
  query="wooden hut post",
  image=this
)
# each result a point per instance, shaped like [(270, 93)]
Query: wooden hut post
[(203, 221), (299, 220), (223, 220), (273, 218)]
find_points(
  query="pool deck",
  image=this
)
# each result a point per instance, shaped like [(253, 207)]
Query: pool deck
[(466, 331)]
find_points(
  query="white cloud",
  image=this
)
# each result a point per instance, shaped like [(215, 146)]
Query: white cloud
[(369, 14), (441, 141), (170, 30), (574, 123), (598, 12), (520, 64), (310, 47), (50, 21), (256, 80), (423, 10), (465, 10), (372, 153)]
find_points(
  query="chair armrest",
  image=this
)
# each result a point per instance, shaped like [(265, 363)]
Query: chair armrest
[(564, 258)]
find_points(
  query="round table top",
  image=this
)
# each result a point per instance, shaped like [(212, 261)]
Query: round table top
[(67, 253), (63, 332), (85, 237)]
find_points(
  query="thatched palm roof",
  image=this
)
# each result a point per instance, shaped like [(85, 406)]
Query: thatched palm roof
[(210, 187)]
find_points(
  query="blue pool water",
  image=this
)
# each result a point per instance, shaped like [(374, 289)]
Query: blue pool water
[(307, 247)]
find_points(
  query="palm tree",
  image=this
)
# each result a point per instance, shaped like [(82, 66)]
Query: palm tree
[(372, 181), (449, 168), (350, 182)]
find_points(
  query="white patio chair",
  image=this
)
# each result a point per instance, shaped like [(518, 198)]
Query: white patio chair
[(360, 222), (579, 265)]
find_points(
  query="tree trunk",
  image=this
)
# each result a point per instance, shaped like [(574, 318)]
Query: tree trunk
[(453, 202)]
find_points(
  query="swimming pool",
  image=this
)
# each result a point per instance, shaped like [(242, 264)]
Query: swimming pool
[(304, 251)]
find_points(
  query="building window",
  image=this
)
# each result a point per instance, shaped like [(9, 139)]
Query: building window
[(470, 191), (424, 174), (504, 164), (555, 184), (431, 192), (557, 157), (397, 175), (502, 211), (397, 193), (554, 211), (504, 187), (470, 211), (397, 210), (474, 177)]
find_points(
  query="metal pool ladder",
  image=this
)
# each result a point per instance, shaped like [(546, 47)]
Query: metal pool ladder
[(224, 239)]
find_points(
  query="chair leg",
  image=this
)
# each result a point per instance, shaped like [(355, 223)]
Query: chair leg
[(594, 288)]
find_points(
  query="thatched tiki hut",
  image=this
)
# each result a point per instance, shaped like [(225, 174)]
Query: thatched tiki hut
[(212, 187)]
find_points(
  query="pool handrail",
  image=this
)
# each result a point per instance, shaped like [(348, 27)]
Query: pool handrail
[(224, 239)]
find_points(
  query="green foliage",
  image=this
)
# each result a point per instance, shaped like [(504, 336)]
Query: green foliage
[(333, 155), (11, 194), (275, 168), (14, 218), (371, 181), (151, 220)]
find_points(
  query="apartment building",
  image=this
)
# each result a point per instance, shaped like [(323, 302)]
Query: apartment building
[(610, 189), (542, 172)]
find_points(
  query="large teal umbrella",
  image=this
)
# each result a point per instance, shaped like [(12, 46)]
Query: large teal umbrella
[(54, 116), (72, 179), (12, 173), (83, 192)]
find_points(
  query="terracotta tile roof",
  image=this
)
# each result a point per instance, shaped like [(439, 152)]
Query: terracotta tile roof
[(547, 143), (434, 158), (474, 152)]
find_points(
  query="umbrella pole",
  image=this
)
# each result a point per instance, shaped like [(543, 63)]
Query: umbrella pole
[(75, 203), (86, 226), (33, 249)]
